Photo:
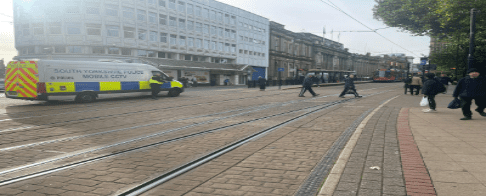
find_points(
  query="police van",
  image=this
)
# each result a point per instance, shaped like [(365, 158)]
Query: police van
[(83, 81)]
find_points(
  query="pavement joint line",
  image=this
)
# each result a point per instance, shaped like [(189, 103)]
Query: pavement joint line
[(412, 161), (333, 178)]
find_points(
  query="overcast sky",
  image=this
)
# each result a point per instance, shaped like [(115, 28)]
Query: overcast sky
[(297, 16)]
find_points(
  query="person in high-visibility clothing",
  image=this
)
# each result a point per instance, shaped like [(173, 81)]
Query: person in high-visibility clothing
[(155, 84)]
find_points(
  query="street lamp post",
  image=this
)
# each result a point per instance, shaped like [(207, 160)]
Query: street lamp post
[(472, 38)]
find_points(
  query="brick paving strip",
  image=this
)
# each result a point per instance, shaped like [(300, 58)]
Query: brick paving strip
[(418, 181)]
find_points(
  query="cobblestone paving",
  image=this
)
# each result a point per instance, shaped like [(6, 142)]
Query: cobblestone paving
[(275, 164), (374, 167)]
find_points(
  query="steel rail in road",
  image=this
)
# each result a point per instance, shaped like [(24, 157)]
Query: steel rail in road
[(210, 156), (90, 160)]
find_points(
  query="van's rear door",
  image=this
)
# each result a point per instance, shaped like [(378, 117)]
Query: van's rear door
[(21, 79)]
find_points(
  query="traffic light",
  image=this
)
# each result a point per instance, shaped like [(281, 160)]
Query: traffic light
[(453, 68)]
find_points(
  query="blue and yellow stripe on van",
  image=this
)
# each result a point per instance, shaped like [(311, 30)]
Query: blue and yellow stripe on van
[(73, 87)]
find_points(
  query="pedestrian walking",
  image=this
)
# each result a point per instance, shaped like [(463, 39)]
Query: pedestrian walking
[(445, 80), (469, 88), (155, 84), (307, 83), (431, 88), (195, 81), (262, 82), (349, 86), (407, 82), (416, 83)]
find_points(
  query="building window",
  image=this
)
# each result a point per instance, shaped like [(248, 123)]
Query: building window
[(152, 18), (75, 49), (141, 15), (163, 37), (39, 30), (153, 36), (198, 43), (190, 9), (73, 28), (213, 46), (187, 57), (181, 6), (197, 10), (220, 46), (227, 19), (128, 32), (220, 31), (172, 4), (142, 34), (213, 30), (98, 50), (182, 24), (162, 3), (205, 13), (142, 53), (59, 49), (219, 16), (182, 40), (172, 21), (111, 10), (151, 54), (161, 55), (227, 47), (152, 2), (233, 49), (190, 42), (128, 13), (206, 44), (127, 51), (227, 33), (93, 10), (206, 29), (72, 10), (113, 50), (212, 15), (172, 39), (233, 20), (112, 31), (93, 29), (55, 28), (162, 19), (190, 25), (198, 27)]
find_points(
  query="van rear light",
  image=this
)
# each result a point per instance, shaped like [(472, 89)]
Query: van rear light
[(41, 87)]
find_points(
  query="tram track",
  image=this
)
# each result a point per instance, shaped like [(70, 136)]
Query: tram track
[(8, 130), (4, 182)]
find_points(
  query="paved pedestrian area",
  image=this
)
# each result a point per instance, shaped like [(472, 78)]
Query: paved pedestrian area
[(404, 151)]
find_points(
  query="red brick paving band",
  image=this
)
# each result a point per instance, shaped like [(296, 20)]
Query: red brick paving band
[(416, 176)]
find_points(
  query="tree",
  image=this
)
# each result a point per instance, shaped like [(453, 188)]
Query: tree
[(447, 20)]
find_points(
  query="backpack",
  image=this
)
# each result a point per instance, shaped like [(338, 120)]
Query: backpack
[(441, 88), (408, 80)]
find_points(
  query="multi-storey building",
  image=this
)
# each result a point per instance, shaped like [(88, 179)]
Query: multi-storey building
[(205, 39)]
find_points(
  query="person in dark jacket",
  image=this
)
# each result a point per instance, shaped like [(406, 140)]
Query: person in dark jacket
[(349, 85), (469, 88), (262, 81), (445, 80), (431, 88), (307, 83), (155, 84), (407, 82)]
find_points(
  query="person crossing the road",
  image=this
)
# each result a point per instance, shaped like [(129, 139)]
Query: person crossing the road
[(349, 86), (308, 82), (155, 84)]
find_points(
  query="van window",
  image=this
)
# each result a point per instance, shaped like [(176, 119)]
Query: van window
[(163, 76)]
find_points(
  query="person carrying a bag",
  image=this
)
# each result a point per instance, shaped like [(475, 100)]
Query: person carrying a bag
[(431, 88), (469, 88)]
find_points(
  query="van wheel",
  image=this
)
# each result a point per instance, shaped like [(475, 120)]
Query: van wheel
[(174, 92), (85, 98)]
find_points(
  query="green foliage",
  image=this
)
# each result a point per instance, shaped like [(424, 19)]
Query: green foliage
[(446, 20)]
